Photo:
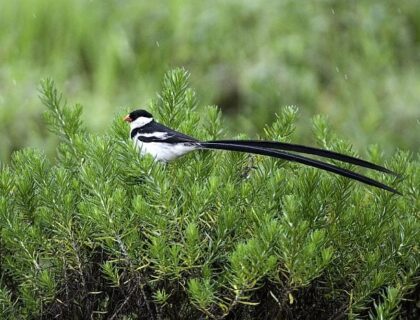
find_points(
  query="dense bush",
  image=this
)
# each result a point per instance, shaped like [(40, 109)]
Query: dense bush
[(103, 233)]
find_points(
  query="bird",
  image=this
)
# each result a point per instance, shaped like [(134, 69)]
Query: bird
[(165, 144)]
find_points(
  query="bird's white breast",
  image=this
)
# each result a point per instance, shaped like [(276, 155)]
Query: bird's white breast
[(163, 151)]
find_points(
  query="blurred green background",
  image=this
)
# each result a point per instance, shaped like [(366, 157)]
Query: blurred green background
[(357, 62)]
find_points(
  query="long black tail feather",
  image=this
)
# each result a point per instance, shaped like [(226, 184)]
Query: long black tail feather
[(234, 146), (308, 150)]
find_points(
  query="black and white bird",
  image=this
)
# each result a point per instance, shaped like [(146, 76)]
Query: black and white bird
[(165, 144)]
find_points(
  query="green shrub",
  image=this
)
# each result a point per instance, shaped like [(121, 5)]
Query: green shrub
[(103, 233)]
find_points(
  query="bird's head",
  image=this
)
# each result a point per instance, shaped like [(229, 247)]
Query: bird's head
[(138, 118)]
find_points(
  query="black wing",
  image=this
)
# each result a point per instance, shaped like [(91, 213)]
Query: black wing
[(156, 132)]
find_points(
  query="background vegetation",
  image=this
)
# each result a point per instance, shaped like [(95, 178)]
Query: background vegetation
[(358, 62)]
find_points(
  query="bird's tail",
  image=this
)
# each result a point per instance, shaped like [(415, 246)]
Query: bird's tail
[(268, 148), (307, 150)]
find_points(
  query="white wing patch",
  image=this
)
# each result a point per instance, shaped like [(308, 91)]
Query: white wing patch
[(159, 135)]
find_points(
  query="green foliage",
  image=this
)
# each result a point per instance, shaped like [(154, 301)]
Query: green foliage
[(355, 61), (102, 232)]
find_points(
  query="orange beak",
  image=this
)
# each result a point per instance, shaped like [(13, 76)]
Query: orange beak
[(127, 118)]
